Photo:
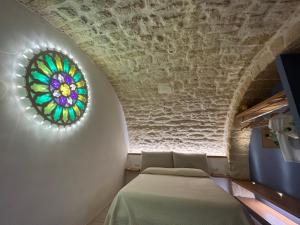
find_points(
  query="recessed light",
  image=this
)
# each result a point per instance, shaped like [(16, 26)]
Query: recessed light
[(280, 194)]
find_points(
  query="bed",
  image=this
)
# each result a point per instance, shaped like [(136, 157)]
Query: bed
[(174, 196)]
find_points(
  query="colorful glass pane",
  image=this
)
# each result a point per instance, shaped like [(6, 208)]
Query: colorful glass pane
[(80, 84), (43, 99), (56, 87), (80, 104), (65, 114), (40, 77), (77, 77), (81, 98), (72, 70), (82, 91), (43, 67), (72, 114), (39, 88), (57, 113), (66, 65), (58, 62), (50, 63), (49, 108)]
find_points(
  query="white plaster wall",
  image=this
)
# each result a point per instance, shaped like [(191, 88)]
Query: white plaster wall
[(50, 177), (217, 165)]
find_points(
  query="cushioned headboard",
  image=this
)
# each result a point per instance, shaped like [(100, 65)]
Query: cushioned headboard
[(157, 159), (197, 161)]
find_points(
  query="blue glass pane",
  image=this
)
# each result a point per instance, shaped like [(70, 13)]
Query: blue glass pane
[(40, 100), (82, 91), (77, 77), (80, 105), (40, 77), (72, 114), (57, 113), (66, 65)]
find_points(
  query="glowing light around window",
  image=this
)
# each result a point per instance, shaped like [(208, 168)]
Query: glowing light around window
[(56, 87)]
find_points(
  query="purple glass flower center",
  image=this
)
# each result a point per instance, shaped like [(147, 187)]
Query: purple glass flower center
[(59, 87), (73, 95), (62, 100), (68, 79), (55, 83)]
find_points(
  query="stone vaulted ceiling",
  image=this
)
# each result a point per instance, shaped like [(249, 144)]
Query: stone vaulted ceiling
[(174, 64)]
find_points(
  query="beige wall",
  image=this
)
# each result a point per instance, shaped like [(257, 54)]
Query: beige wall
[(55, 178)]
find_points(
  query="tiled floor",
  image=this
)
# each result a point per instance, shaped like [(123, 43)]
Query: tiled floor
[(99, 220)]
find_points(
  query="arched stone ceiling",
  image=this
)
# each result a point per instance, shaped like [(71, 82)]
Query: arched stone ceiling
[(174, 64)]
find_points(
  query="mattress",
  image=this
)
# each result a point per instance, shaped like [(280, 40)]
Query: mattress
[(165, 197)]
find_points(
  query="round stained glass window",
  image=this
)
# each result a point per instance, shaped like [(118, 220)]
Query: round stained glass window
[(56, 87)]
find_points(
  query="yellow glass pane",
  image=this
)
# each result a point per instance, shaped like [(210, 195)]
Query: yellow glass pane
[(72, 70), (76, 109), (39, 88), (80, 84), (49, 108), (82, 98), (44, 68), (65, 115), (65, 90), (58, 62)]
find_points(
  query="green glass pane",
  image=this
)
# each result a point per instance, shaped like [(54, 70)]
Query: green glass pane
[(72, 114), (77, 77), (39, 88), (80, 105), (65, 115), (49, 108), (82, 91), (40, 77), (50, 63), (43, 99), (57, 113), (66, 65), (44, 68)]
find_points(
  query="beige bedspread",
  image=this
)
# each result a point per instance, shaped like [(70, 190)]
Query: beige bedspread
[(152, 199)]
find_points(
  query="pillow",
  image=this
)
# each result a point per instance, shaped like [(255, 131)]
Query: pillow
[(157, 159), (197, 161), (185, 172)]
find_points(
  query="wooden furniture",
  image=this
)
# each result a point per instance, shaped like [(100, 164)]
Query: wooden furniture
[(283, 201), (263, 213), (253, 197), (276, 102)]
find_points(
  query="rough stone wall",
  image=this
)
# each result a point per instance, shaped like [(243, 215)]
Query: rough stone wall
[(285, 39), (175, 64), (260, 89)]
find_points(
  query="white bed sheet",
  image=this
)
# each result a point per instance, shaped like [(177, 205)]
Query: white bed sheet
[(174, 200)]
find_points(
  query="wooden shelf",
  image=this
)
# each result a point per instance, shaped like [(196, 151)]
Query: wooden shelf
[(285, 202), (267, 106), (263, 213)]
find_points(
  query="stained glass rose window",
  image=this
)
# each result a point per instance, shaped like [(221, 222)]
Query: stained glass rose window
[(56, 87)]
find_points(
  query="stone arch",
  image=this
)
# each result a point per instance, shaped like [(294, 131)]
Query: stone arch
[(287, 37)]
